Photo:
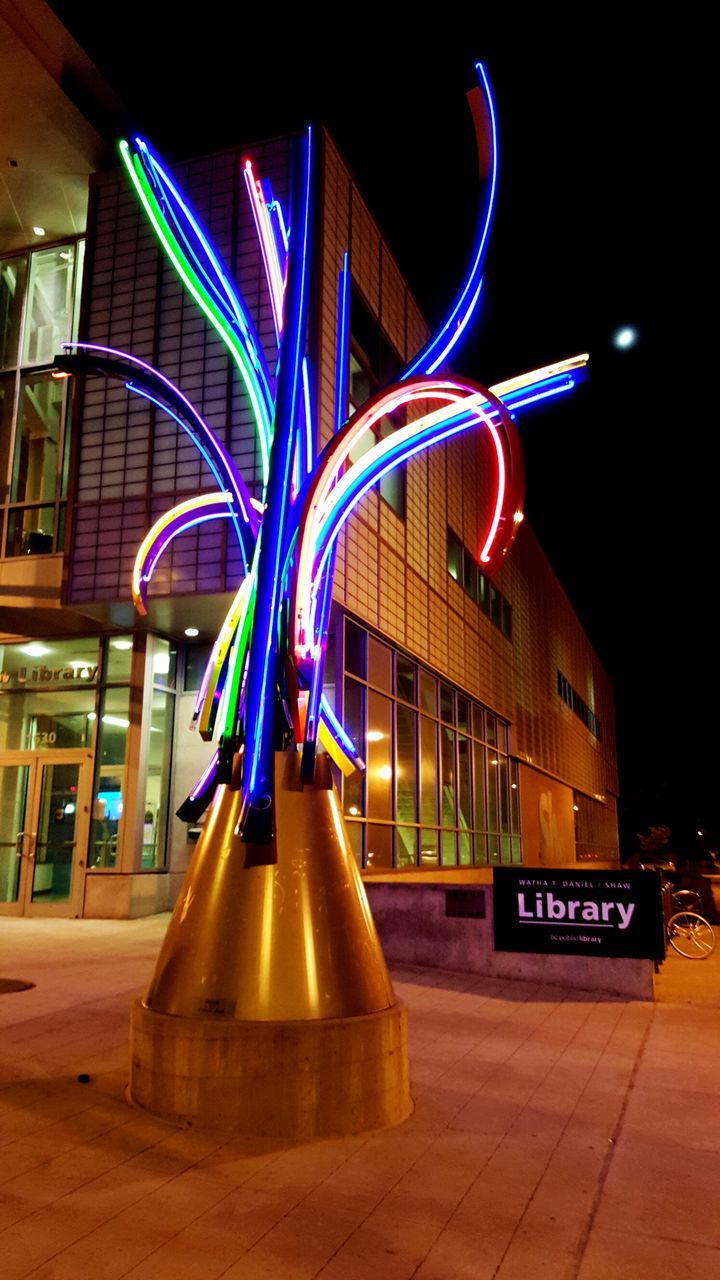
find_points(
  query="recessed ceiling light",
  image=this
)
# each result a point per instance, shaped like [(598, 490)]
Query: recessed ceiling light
[(121, 644), (191, 632), (35, 650), (39, 231)]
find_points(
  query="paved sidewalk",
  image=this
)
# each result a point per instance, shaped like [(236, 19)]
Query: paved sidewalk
[(554, 1135)]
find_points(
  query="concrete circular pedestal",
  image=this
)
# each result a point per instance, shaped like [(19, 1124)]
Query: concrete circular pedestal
[(317, 1078)]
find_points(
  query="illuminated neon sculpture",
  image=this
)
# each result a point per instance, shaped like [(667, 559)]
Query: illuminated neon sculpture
[(285, 928), (263, 684)]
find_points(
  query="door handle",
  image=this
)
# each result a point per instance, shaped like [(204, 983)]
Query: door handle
[(18, 843)]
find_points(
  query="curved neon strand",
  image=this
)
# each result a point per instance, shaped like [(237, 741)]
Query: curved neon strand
[(441, 344), (343, 504), (226, 297), (207, 697), (238, 661), (340, 734), (329, 466), (259, 396), (268, 246), (226, 294), (313, 721), (258, 778), (241, 348), (186, 515), (172, 401)]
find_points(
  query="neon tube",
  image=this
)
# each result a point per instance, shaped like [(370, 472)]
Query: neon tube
[(273, 273), (246, 359), (441, 344), (184, 516), (313, 720), (154, 386), (256, 822)]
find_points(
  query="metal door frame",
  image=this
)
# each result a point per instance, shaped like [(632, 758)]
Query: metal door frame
[(26, 839)]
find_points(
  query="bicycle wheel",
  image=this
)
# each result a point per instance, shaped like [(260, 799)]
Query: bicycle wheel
[(691, 935)]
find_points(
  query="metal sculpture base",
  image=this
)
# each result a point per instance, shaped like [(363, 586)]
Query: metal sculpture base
[(271, 1011)]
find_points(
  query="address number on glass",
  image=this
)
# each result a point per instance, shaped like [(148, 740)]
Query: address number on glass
[(46, 739)]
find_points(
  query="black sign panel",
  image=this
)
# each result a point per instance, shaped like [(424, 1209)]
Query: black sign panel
[(578, 912)]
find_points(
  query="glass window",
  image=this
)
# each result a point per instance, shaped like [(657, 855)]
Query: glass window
[(479, 787), (7, 404), (379, 756), (355, 649), (447, 750), (164, 663), (49, 304), (494, 607), (428, 772), (478, 722), (119, 659), (428, 692), (353, 719), (356, 832), (493, 808), (393, 485), (157, 780), (31, 531), (491, 727), (406, 847), (447, 704), (514, 797), (503, 794), (379, 665), (379, 846), (42, 664), (41, 719), (329, 669), (465, 818), (37, 438), (449, 848), (463, 714), (196, 659), (455, 557), (470, 574), (13, 801), (406, 679), (406, 772), (12, 286), (428, 848), (109, 794)]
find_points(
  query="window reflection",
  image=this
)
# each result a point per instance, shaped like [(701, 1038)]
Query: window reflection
[(454, 800), (379, 756), (49, 304)]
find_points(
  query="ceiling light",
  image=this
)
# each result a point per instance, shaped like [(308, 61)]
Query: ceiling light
[(35, 650), (117, 721), (374, 735), (121, 644), (161, 664), (39, 231), (191, 632)]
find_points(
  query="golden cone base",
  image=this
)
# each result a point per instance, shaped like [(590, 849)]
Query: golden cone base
[(271, 1010), (325, 1078)]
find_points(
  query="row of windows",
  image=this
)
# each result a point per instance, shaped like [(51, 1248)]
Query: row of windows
[(467, 573), (438, 787), (576, 704), (39, 305)]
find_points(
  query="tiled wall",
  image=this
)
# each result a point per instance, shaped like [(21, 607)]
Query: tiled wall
[(135, 463)]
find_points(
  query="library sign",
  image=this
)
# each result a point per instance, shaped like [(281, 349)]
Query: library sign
[(578, 912)]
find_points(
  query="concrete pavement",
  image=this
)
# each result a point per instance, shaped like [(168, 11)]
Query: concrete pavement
[(554, 1135)]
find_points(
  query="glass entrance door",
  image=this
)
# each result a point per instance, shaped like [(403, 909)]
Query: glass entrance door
[(44, 813)]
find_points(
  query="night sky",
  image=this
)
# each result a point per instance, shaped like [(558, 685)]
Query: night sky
[(600, 223)]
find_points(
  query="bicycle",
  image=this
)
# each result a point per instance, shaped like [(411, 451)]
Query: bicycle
[(688, 933)]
